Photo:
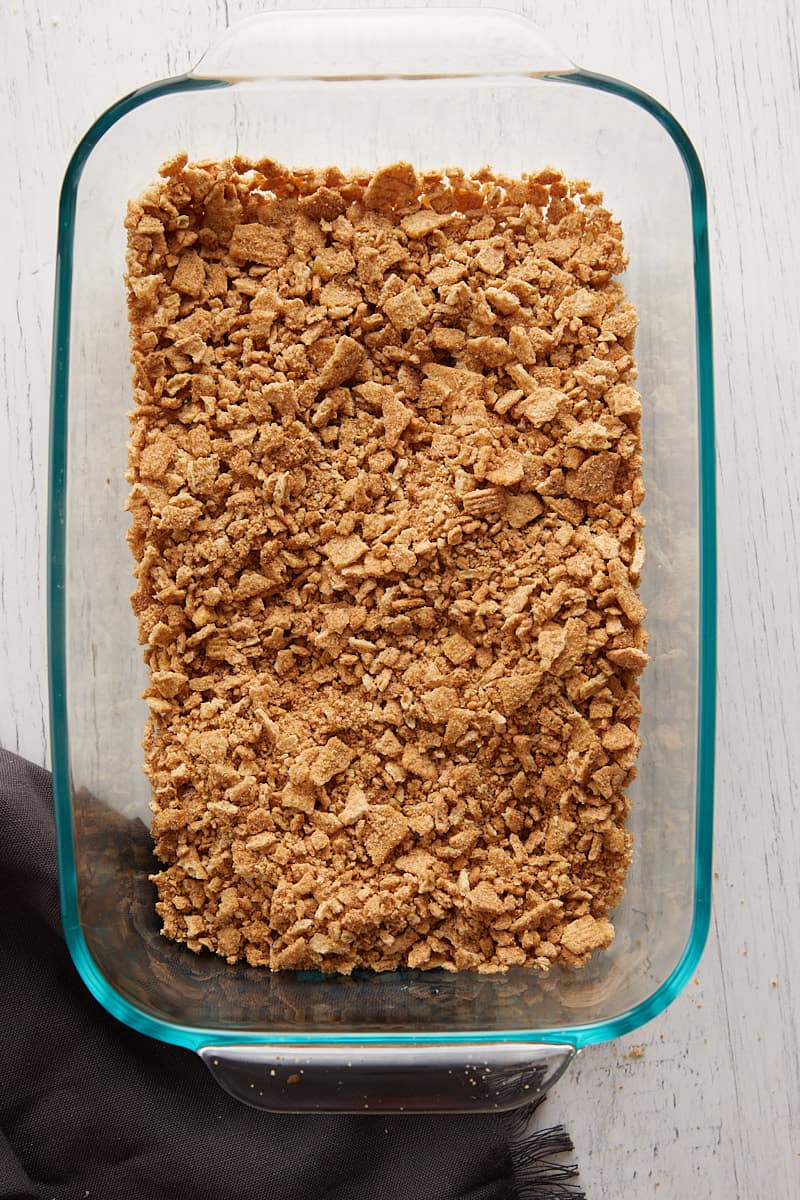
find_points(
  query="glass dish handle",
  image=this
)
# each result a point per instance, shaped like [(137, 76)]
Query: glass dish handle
[(375, 43), (386, 1077)]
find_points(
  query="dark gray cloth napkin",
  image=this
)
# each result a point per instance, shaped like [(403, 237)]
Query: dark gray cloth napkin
[(90, 1110)]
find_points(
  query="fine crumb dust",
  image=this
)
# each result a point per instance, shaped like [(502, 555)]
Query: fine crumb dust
[(386, 476)]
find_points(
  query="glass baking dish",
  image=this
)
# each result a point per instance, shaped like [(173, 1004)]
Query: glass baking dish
[(360, 89)]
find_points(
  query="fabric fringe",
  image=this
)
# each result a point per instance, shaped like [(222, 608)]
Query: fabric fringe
[(536, 1174)]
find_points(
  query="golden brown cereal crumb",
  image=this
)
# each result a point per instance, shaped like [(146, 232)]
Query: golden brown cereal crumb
[(385, 499)]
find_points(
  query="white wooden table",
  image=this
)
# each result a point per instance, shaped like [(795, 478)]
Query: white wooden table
[(709, 1106)]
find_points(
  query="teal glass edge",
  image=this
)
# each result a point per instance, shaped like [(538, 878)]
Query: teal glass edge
[(194, 1037)]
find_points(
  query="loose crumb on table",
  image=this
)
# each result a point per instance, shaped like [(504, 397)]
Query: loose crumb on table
[(386, 475)]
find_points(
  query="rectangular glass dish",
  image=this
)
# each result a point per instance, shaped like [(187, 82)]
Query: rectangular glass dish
[(362, 89)]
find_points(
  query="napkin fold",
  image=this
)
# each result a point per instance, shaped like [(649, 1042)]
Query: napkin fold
[(91, 1110)]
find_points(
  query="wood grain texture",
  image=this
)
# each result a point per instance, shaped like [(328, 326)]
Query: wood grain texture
[(712, 1107)]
